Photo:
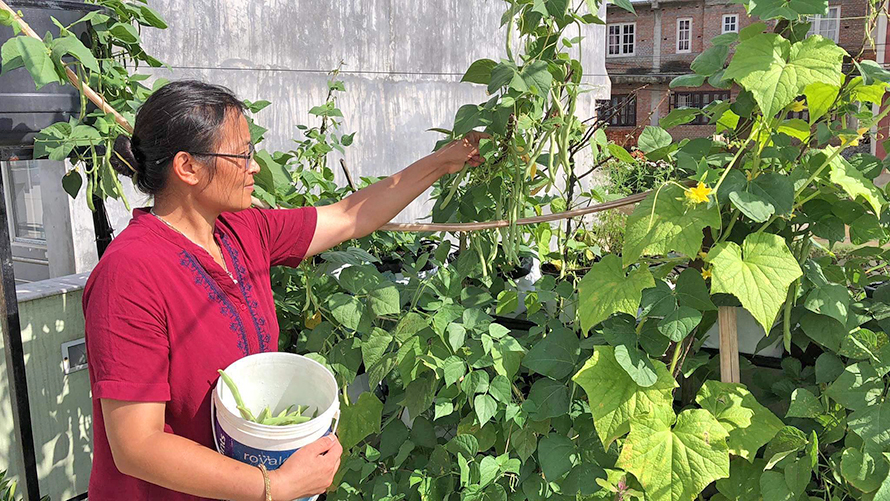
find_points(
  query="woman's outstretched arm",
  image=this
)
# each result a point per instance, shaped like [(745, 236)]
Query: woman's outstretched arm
[(370, 208)]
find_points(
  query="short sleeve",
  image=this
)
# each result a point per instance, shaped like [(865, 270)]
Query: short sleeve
[(128, 349), (284, 233)]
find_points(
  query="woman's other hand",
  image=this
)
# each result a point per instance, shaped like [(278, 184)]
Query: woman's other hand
[(309, 471), (454, 155)]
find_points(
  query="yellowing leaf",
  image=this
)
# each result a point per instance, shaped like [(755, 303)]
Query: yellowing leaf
[(615, 399), (675, 463)]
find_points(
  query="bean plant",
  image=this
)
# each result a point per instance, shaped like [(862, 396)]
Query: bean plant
[(109, 64)]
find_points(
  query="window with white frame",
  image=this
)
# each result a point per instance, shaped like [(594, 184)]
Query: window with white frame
[(828, 25), (684, 35), (622, 37), (730, 23)]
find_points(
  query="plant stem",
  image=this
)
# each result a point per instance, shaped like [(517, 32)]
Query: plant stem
[(678, 346)]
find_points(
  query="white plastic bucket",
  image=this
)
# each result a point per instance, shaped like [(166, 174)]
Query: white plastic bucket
[(276, 380)]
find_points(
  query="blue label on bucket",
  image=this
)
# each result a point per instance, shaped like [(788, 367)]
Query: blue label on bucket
[(251, 455), (247, 454)]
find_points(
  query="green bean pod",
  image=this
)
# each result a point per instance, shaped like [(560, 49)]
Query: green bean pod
[(239, 402)]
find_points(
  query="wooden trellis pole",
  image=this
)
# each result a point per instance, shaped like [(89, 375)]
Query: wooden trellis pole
[(729, 344)]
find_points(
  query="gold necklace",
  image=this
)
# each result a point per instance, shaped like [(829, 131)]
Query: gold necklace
[(224, 267)]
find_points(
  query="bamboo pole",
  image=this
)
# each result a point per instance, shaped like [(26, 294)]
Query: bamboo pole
[(490, 225), (729, 344)]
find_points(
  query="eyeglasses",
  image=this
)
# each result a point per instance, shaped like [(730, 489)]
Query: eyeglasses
[(248, 157)]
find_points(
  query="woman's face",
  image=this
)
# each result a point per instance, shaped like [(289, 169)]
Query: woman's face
[(229, 188)]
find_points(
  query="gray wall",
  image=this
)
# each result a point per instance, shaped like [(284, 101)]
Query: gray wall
[(403, 63)]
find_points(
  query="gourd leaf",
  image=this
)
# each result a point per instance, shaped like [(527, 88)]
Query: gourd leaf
[(675, 461), (749, 424), (615, 398), (758, 274), (776, 72), (673, 225), (606, 289)]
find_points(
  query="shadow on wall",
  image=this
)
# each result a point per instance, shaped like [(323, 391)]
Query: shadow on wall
[(61, 411)]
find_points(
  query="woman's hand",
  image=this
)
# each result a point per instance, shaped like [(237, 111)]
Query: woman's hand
[(453, 156), (309, 471)]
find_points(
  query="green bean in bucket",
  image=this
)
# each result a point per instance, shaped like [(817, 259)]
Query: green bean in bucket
[(289, 416)]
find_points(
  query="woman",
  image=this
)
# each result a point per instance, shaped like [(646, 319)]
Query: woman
[(184, 290)]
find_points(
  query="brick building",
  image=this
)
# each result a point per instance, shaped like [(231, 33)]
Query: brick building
[(644, 52)]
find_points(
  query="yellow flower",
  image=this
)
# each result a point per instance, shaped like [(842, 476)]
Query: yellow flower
[(313, 321), (849, 140), (797, 106), (703, 255), (706, 274), (698, 194)]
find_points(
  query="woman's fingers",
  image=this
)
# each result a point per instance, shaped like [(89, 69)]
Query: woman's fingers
[(322, 445)]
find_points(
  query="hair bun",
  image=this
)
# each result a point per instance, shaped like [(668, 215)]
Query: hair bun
[(122, 159)]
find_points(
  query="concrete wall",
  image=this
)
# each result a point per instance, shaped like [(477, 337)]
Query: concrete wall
[(403, 64), (61, 409)]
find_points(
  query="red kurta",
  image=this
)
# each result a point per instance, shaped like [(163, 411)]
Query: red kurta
[(162, 317)]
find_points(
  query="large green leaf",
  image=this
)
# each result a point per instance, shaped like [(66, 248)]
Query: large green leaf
[(359, 420), (614, 397), (384, 300), (36, 59), (674, 225), (749, 425), (758, 273), (678, 324), (864, 470), (787, 9), (872, 423), (479, 72), (550, 398), (606, 289), (70, 44), (375, 346), (346, 309), (692, 291), (675, 463), (743, 483), (556, 455), (637, 364), (853, 182), (776, 72), (832, 300), (679, 116), (804, 404), (537, 77), (711, 60), (653, 138), (555, 355), (766, 195), (820, 98), (857, 388)]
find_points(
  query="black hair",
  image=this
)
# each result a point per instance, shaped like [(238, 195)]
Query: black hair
[(186, 115)]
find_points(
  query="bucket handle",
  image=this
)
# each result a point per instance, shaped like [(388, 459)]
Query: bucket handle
[(213, 424), (336, 422)]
